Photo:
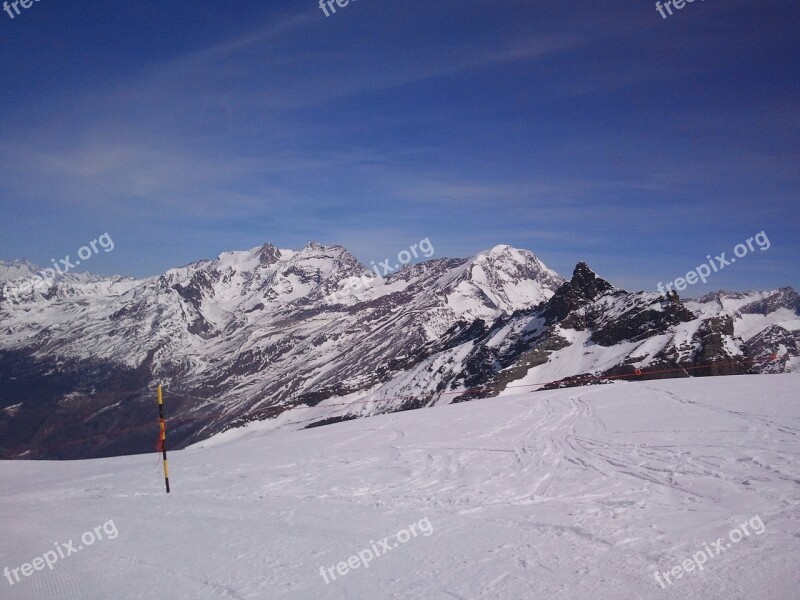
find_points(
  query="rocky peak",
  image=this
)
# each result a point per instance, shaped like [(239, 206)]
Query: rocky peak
[(313, 246), (584, 287), (268, 255), (587, 282)]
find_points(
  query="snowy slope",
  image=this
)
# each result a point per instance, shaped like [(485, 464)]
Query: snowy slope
[(581, 493)]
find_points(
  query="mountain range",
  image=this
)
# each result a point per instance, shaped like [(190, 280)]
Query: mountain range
[(283, 337)]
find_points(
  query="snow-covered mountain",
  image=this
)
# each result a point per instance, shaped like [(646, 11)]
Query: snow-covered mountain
[(288, 335), (767, 322)]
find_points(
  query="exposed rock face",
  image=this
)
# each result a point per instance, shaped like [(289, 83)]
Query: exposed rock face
[(584, 287), (268, 255), (775, 347), (714, 336)]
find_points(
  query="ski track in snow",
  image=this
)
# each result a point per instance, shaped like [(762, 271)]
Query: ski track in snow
[(575, 493)]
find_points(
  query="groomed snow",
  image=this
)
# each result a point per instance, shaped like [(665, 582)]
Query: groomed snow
[(576, 493)]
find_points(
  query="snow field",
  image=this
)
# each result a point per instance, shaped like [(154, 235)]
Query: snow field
[(575, 493)]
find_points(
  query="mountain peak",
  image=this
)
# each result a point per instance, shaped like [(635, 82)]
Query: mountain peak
[(585, 279), (268, 255), (17, 269), (499, 249), (584, 287)]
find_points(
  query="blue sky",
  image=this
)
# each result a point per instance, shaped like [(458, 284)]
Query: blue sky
[(591, 130)]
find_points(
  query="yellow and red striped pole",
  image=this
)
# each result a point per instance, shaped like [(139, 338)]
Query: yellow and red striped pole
[(163, 436)]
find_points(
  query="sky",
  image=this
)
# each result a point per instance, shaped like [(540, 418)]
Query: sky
[(592, 131)]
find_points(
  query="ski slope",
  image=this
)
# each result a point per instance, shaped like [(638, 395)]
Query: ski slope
[(575, 493)]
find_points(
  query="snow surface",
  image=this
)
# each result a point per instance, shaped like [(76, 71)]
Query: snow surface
[(576, 493)]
